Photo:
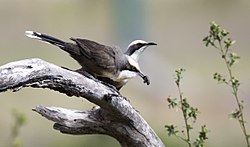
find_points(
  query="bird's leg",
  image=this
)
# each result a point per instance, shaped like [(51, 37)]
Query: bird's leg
[(96, 79), (83, 72), (86, 74), (145, 78)]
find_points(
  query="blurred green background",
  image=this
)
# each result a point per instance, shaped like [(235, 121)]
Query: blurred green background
[(178, 26)]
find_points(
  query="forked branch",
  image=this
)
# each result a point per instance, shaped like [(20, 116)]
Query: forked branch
[(115, 116)]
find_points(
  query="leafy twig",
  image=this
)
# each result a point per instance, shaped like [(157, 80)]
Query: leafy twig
[(189, 115), (217, 38)]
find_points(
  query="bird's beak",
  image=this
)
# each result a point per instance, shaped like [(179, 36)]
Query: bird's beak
[(145, 78), (151, 43)]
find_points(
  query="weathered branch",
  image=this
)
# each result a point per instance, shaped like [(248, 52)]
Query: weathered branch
[(115, 117)]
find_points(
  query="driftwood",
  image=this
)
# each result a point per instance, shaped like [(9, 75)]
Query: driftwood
[(114, 116)]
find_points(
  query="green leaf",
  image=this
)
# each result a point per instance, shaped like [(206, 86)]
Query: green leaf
[(172, 102), (171, 129)]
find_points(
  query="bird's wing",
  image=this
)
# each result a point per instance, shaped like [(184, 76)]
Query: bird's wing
[(98, 53)]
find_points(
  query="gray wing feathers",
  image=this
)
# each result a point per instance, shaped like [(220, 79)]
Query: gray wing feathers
[(104, 55)]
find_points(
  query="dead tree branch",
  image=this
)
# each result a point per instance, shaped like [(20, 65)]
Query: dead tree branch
[(115, 116)]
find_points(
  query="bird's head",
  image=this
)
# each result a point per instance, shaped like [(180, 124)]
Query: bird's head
[(136, 47), (131, 68)]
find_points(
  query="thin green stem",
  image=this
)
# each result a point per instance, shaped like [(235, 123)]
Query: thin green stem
[(184, 115), (235, 93)]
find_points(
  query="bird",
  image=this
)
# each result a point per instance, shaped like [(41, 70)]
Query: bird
[(105, 63)]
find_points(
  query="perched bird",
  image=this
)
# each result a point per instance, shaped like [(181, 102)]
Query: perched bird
[(106, 63)]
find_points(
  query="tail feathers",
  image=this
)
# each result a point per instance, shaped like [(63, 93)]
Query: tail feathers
[(46, 38)]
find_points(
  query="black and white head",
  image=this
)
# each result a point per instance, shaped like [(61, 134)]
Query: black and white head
[(132, 55), (136, 48)]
